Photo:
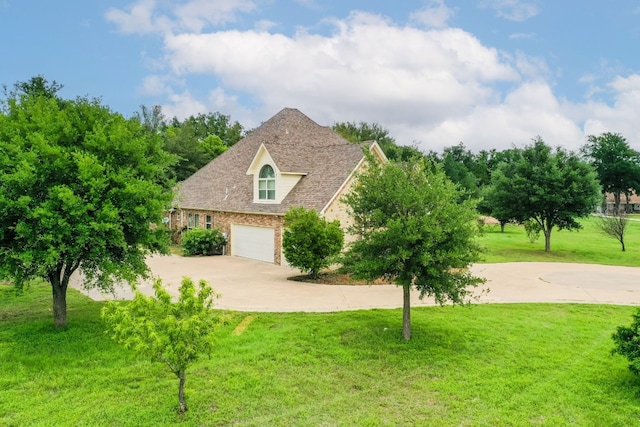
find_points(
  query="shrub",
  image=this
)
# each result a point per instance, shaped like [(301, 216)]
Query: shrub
[(172, 333), (199, 241), (310, 242), (627, 340), (533, 229)]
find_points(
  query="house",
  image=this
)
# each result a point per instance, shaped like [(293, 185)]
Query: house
[(630, 204), (288, 161)]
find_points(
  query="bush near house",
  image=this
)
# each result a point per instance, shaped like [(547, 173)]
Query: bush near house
[(310, 242), (199, 241)]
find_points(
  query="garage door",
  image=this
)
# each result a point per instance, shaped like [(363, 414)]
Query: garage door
[(253, 242)]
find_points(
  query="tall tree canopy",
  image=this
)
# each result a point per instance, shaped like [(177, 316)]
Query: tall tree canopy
[(34, 87), (413, 232), (551, 187), (195, 140), (80, 188), (617, 164), (363, 131), (460, 166)]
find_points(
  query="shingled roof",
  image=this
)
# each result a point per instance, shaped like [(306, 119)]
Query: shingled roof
[(296, 144)]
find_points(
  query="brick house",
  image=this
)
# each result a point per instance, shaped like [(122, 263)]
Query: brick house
[(288, 161), (628, 204)]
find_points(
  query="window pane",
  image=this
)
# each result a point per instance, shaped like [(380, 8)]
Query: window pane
[(262, 184), (271, 184), (267, 172), (271, 194), (262, 194)]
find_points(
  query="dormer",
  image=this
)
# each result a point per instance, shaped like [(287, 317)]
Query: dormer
[(270, 184)]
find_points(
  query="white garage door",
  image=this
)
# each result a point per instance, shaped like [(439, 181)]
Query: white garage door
[(253, 242)]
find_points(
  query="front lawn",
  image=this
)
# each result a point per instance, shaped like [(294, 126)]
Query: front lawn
[(588, 245), (487, 365)]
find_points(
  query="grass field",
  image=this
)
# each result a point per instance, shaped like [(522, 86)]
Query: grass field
[(588, 245), (487, 365)]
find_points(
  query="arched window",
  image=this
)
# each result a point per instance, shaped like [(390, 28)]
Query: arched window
[(267, 184)]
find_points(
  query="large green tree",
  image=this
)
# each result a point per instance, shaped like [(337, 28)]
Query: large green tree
[(80, 187), (196, 140), (414, 232), (460, 164), (362, 132), (617, 164), (552, 187)]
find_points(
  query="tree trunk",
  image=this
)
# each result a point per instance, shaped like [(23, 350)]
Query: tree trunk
[(622, 242), (181, 401), (616, 202), (626, 207), (406, 312), (547, 240), (502, 223), (59, 288)]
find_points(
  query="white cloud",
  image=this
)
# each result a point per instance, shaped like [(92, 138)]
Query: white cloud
[(264, 25), (137, 18), (512, 10), (529, 110), (196, 14), (154, 85), (183, 105), (531, 67), (435, 15), (368, 67), (618, 116), (146, 16), (436, 86)]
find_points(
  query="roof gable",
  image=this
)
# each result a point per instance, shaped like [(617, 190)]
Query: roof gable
[(261, 158), (297, 145)]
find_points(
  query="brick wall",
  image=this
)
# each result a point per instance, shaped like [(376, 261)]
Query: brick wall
[(224, 220)]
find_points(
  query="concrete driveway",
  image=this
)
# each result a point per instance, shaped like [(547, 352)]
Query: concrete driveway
[(248, 285)]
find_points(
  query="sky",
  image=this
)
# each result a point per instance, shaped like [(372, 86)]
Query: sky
[(491, 74)]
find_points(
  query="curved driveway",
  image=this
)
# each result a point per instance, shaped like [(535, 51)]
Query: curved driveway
[(248, 285)]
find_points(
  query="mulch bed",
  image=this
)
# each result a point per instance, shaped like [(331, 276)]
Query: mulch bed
[(335, 278)]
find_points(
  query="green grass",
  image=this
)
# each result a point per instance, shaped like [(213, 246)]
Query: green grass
[(588, 245), (487, 365)]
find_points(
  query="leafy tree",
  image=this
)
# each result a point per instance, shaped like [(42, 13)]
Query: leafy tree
[(193, 153), (551, 187), (614, 225), (490, 203), (617, 165), (152, 118), (175, 334), (309, 241), (413, 232), (363, 131), (458, 164), (532, 228), (34, 87), (197, 140), (220, 125), (81, 186), (627, 343)]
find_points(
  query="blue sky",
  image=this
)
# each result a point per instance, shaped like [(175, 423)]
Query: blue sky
[(489, 73)]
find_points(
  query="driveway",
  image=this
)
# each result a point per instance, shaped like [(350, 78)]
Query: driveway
[(248, 285)]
